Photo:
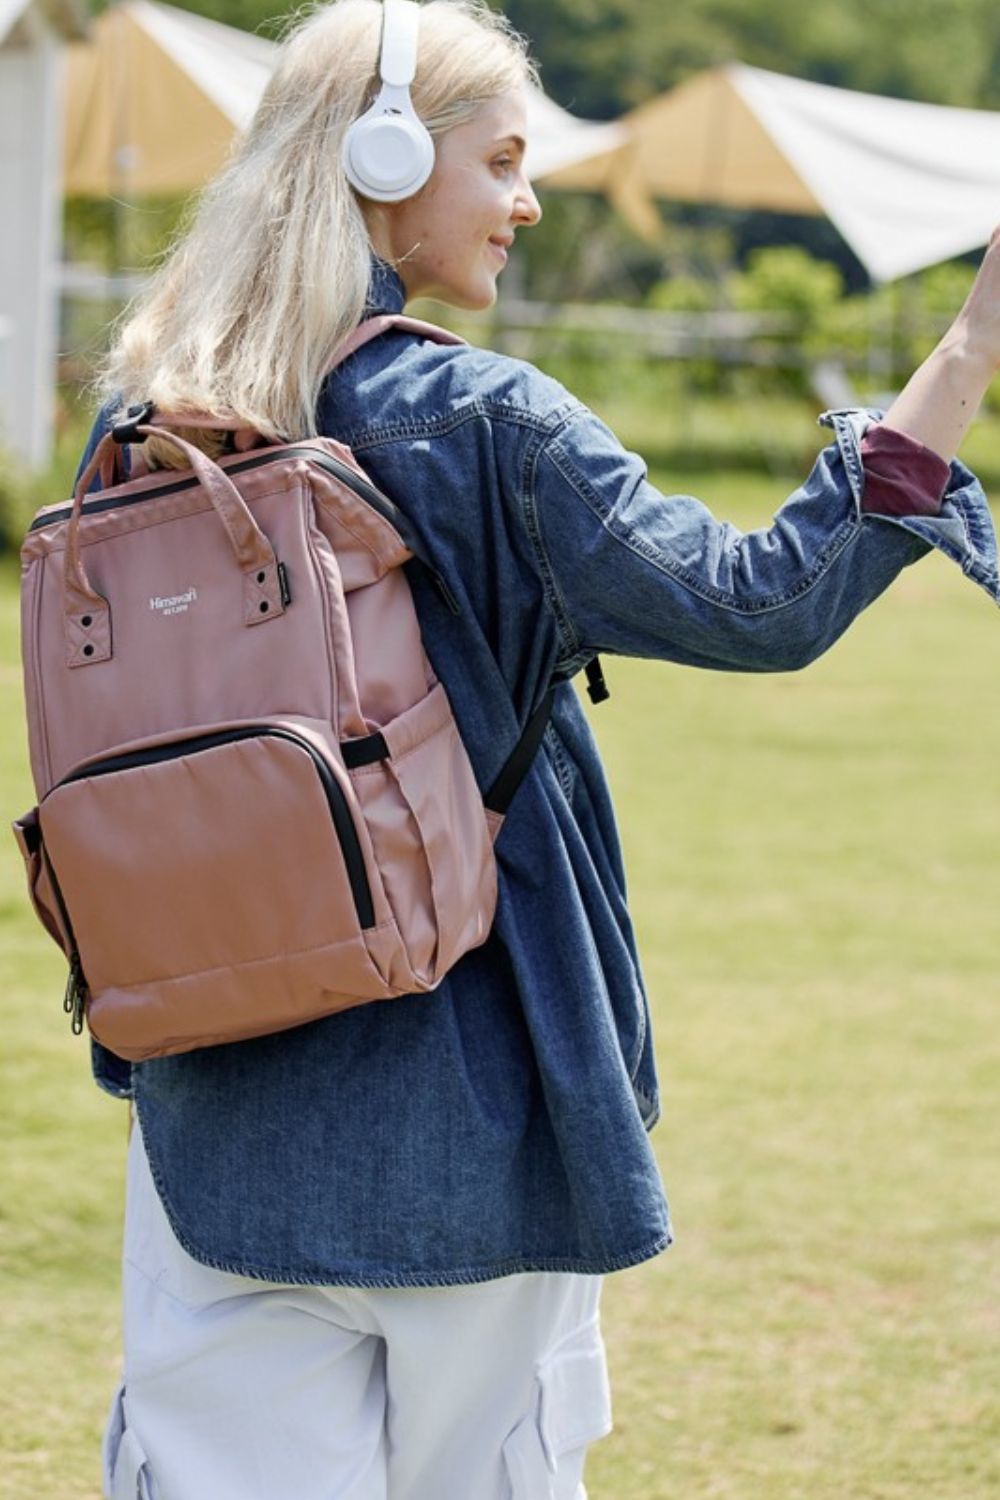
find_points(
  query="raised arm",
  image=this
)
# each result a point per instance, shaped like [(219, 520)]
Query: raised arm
[(939, 402)]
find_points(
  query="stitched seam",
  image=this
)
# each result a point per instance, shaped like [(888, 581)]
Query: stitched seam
[(133, 518), (463, 1275), (571, 641), (341, 519), (250, 963), (640, 1047), (501, 411), (561, 765), (837, 543)]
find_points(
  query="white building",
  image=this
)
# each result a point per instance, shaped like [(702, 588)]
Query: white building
[(32, 34)]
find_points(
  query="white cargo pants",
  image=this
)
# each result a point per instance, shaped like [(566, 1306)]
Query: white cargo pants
[(237, 1389)]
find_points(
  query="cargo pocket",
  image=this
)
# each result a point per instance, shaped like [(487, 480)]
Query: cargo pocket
[(126, 1472), (546, 1452)]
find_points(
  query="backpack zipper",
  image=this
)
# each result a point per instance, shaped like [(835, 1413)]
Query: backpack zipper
[(75, 999), (385, 507), (336, 800)]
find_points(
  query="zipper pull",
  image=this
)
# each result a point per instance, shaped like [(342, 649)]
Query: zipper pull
[(75, 998)]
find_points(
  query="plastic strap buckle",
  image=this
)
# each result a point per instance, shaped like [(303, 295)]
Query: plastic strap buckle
[(136, 416)]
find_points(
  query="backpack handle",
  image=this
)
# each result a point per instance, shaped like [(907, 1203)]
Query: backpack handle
[(88, 613)]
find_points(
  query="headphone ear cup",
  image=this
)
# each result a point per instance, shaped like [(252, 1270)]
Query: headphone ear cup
[(386, 156)]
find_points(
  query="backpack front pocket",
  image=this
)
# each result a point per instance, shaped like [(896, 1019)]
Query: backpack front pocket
[(217, 888)]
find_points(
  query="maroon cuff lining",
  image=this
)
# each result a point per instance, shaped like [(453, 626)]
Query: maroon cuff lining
[(902, 476)]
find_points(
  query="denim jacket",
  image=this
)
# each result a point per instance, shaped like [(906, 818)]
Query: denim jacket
[(500, 1124)]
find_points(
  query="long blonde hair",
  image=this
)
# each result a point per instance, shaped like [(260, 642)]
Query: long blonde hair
[(254, 299)]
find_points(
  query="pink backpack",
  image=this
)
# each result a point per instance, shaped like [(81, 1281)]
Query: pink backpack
[(255, 807)]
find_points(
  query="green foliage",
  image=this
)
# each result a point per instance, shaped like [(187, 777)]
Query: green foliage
[(15, 504), (111, 234), (267, 17), (22, 491), (682, 294), (703, 252), (943, 289), (602, 57), (786, 278)]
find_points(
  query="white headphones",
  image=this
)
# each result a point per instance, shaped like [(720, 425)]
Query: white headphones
[(388, 153)]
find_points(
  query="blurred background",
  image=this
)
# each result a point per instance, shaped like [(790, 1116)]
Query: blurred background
[(737, 206), (753, 211)]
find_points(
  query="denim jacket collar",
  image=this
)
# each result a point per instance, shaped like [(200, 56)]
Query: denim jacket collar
[(386, 292)]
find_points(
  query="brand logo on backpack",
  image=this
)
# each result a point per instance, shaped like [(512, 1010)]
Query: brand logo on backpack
[(177, 604)]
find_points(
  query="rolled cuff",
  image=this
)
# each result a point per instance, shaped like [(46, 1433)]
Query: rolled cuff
[(963, 527), (902, 476)]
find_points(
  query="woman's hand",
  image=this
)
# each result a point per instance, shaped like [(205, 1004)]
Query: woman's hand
[(940, 401)]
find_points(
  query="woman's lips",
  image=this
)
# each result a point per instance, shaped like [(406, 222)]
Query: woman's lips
[(499, 250)]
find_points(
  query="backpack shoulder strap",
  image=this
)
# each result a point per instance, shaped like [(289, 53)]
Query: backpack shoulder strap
[(518, 763), (370, 328)]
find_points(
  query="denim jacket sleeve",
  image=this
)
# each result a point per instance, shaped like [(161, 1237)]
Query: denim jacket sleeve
[(639, 573)]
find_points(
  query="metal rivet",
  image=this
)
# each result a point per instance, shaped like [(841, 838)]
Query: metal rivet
[(88, 650)]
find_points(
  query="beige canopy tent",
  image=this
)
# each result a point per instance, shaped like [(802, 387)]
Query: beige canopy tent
[(155, 95), (907, 184)]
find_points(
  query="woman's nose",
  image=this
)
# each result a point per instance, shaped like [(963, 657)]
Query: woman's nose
[(527, 207)]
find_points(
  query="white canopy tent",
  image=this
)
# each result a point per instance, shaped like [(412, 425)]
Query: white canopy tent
[(907, 184)]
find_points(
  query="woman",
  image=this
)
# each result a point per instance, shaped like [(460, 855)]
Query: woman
[(363, 1258)]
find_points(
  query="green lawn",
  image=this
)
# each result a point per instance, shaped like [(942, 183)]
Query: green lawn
[(813, 871)]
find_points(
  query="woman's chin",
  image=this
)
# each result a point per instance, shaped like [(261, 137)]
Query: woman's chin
[(474, 296)]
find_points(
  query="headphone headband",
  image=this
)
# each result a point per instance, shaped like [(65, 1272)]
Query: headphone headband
[(398, 60)]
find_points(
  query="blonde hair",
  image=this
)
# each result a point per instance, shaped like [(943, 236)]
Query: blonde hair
[(271, 277)]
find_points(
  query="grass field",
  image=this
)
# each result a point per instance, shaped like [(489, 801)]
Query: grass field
[(813, 871)]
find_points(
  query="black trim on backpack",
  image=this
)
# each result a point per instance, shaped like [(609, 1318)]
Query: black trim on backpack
[(365, 751)]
